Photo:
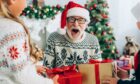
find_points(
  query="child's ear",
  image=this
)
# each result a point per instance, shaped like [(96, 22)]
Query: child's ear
[(11, 2)]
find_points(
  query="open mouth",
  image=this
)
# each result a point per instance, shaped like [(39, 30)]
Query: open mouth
[(75, 30)]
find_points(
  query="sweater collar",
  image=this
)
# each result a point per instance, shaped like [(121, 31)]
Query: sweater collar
[(75, 41)]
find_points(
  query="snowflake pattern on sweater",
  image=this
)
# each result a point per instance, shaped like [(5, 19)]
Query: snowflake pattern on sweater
[(60, 51), (14, 52)]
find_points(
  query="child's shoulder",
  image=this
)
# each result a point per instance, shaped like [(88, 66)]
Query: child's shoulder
[(10, 25)]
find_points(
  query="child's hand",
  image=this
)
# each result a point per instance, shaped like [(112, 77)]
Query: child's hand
[(41, 69), (55, 79)]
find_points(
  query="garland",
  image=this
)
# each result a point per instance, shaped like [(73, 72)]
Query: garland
[(41, 12)]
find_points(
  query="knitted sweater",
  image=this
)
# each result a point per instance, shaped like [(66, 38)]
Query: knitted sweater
[(15, 65), (61, 50)]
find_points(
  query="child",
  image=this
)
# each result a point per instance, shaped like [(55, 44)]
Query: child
[(16, 48)]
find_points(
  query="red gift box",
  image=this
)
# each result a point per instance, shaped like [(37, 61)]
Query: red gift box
[(67, 75)]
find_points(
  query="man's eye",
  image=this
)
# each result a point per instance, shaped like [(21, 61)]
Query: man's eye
[(72, 18), (81, 19)]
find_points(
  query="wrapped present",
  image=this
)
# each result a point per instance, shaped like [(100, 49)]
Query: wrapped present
[(120, 63), (124, 62), (94, 72), (67, 75)]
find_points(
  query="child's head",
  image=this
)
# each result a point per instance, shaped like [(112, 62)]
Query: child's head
[(12, 7)]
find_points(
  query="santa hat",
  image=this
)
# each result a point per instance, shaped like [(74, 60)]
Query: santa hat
[(73, 9)]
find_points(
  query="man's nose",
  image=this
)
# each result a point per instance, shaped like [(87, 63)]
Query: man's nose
[(76, 23)]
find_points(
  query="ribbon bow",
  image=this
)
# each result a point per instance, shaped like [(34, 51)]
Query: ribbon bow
[(61, 70)]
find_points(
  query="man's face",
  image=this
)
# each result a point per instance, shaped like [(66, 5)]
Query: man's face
[(76, 27)]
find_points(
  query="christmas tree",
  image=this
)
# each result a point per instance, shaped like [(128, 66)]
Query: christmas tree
[(100, 27)]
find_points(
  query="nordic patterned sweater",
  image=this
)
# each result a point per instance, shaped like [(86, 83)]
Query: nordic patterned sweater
[(62, 51), (15, 65)]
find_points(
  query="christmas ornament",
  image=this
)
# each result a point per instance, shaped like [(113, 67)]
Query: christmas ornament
[(95, 5), (108, 46), (104, 16), (103, 33), (99, 28), (113, 51), (91, 8)]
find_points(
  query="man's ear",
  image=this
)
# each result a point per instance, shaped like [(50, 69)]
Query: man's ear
[(11, 2)]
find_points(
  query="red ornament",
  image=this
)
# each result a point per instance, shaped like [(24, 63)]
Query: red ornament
[(103, 33), (91, 8), (104, 16), (58, 6), (95, 5)]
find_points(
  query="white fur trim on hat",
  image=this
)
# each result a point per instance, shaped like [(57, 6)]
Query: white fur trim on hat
[(61, 31), (76, 11)]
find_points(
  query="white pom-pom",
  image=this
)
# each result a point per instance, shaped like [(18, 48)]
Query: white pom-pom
[(61, 31)]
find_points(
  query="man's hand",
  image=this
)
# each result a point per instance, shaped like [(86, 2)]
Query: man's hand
[(122, 74)]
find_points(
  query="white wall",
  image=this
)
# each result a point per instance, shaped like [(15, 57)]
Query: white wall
[(123, 21), (63, 2)]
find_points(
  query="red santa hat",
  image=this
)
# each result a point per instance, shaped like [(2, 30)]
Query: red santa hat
[(73, 9)]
